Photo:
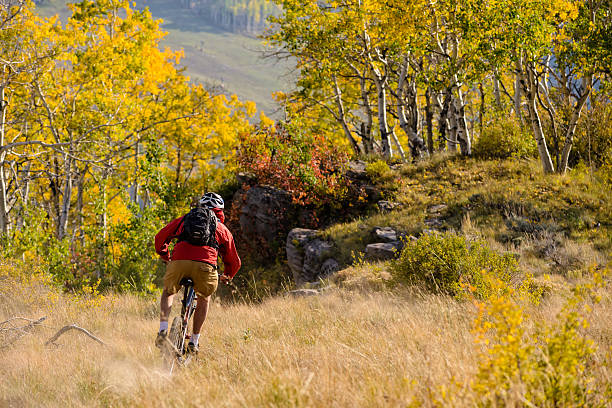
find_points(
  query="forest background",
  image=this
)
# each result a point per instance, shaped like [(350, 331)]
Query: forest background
[(103, 137)]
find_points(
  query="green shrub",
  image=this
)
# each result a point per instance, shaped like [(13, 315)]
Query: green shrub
[(504, 139), (448, 263), (123, 260), (378, 171), (605, 173)]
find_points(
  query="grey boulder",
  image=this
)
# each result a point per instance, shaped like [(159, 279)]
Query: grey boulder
[(383, 250)]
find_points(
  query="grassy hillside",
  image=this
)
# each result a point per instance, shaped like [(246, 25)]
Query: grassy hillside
[(212, 55), (555, 224)]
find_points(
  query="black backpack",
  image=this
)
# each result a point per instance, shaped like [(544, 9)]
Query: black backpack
[(199, 227)]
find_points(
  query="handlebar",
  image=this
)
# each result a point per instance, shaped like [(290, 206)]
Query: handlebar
[(227, 279)]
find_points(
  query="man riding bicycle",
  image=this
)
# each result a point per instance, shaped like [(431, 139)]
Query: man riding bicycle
[(192, 259)]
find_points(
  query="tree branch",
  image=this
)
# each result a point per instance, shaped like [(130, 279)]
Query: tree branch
[(65, 329)]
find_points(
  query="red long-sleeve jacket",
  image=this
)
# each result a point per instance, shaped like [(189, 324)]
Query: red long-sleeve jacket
[(186, 251)]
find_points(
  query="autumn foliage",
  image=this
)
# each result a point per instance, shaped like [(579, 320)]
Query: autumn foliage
[(103, 138), (306, 165)]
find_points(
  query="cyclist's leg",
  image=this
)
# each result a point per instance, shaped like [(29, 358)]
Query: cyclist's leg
[(165, 304), (205, 283), (200, 314), (175, 270), (165, 307)]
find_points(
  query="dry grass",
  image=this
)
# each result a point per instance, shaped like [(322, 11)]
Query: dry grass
[(338, 349)]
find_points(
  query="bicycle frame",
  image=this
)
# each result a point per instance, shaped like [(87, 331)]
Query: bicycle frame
[(188, 308)]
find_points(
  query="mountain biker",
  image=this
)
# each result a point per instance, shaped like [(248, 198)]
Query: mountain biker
[(196, 262)]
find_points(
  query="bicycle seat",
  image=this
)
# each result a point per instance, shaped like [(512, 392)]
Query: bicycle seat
[(186, 282)]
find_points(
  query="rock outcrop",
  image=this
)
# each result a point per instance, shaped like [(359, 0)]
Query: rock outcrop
[(389, 244), (303, 292), (261, 216), (435, 218), (265, 212), (383, 250), (296, 243), (386, 206), (385, 234), (309, 257)]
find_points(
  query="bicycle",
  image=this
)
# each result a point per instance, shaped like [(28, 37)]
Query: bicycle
[(176, 351)]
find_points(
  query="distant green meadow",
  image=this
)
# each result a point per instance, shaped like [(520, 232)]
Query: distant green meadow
[(218, 58)]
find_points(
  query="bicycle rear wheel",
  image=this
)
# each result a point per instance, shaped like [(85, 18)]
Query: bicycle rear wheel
[(176, 333), (175, 351)]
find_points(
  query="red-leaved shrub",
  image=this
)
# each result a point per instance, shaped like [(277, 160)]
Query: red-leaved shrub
[(305, 165)]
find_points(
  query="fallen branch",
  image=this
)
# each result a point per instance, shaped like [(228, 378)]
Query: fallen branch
[(32, 322), (72, 327), (18, 332)]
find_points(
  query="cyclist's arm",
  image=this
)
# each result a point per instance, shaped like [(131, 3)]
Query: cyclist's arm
[(227, 250), (164, 236)]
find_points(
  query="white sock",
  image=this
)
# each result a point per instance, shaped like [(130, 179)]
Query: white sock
[(163, 325), (195, 338)]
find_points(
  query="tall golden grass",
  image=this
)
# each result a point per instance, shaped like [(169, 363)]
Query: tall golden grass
[(340, 349)]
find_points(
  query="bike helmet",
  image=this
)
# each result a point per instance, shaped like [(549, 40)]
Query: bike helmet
[(212, 200)]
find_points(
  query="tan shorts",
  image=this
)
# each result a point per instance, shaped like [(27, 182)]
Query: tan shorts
[(204, 276)]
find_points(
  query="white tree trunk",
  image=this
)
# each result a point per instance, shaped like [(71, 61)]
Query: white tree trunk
[(78, 228), (429, 121), (397, 143), (136, 186), (410, 129), (4, 215), (366, 133), (342, 117), (517, 97), (383, 127), (465, 141), (496, 92), (443, 121), (451, 142), (62, 225), (571, 128), (530, 83)]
